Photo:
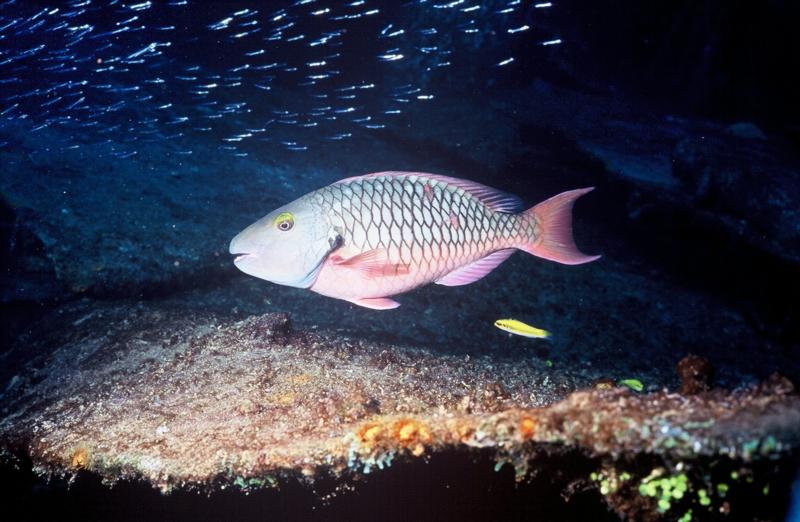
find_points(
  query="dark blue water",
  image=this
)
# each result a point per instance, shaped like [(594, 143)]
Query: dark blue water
[(137, 138), (287, 76)]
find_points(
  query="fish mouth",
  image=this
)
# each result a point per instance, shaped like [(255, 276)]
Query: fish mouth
[(241, 257)]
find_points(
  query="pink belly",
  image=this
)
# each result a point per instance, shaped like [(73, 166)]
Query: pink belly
[(347, 283)]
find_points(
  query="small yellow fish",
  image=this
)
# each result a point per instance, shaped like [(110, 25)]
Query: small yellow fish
[(520, 328)]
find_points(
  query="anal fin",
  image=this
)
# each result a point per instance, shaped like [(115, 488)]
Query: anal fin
[(376, 303), (476, 270)]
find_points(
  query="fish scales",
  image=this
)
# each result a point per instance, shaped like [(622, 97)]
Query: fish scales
[(427, 227), (367, 238)]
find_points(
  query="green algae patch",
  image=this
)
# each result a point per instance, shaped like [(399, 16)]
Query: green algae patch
[(688, 490)]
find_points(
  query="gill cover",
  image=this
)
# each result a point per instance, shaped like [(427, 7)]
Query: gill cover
[(287, 246)]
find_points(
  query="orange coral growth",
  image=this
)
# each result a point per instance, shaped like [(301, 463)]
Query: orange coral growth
[(527, 427), (465, 432), (409, 430), (370, 433), (409, 433), (80, 458)]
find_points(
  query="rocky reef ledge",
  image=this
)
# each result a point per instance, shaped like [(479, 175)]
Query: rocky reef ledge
[(182, 402)]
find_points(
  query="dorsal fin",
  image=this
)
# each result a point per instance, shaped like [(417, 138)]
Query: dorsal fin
[(491, 197)]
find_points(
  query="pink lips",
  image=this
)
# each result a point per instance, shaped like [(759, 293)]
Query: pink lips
[(240, 257)]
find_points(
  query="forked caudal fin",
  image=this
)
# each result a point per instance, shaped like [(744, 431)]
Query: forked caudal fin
[(553, 239)]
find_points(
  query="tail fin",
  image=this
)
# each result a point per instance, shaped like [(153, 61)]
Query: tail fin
[(553, 239)]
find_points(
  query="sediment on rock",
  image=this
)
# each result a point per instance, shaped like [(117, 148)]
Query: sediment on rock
[(181, 400)]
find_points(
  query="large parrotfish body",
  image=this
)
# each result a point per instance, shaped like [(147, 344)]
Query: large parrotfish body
[(368, 238)]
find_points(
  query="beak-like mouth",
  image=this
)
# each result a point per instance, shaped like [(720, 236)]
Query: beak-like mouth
[(236, 249), (241, 257)]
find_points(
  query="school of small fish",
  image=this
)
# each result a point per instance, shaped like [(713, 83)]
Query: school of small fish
[(128, 73)]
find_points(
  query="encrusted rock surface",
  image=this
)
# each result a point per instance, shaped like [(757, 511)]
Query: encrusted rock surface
[(180, 400)]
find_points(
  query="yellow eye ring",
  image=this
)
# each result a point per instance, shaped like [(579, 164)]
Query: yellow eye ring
[(284, 221)]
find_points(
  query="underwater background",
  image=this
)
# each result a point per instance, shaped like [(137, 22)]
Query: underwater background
[(137, 138)]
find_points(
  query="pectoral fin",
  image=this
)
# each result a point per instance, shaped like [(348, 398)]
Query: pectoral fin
[(374, 263), (376, 303)]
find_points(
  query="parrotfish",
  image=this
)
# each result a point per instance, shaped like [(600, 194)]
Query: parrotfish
[(365, 239)]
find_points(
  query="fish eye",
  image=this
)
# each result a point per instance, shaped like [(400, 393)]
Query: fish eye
[(284, 221)]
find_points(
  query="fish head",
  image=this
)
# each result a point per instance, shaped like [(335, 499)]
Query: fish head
[(287, 246)]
